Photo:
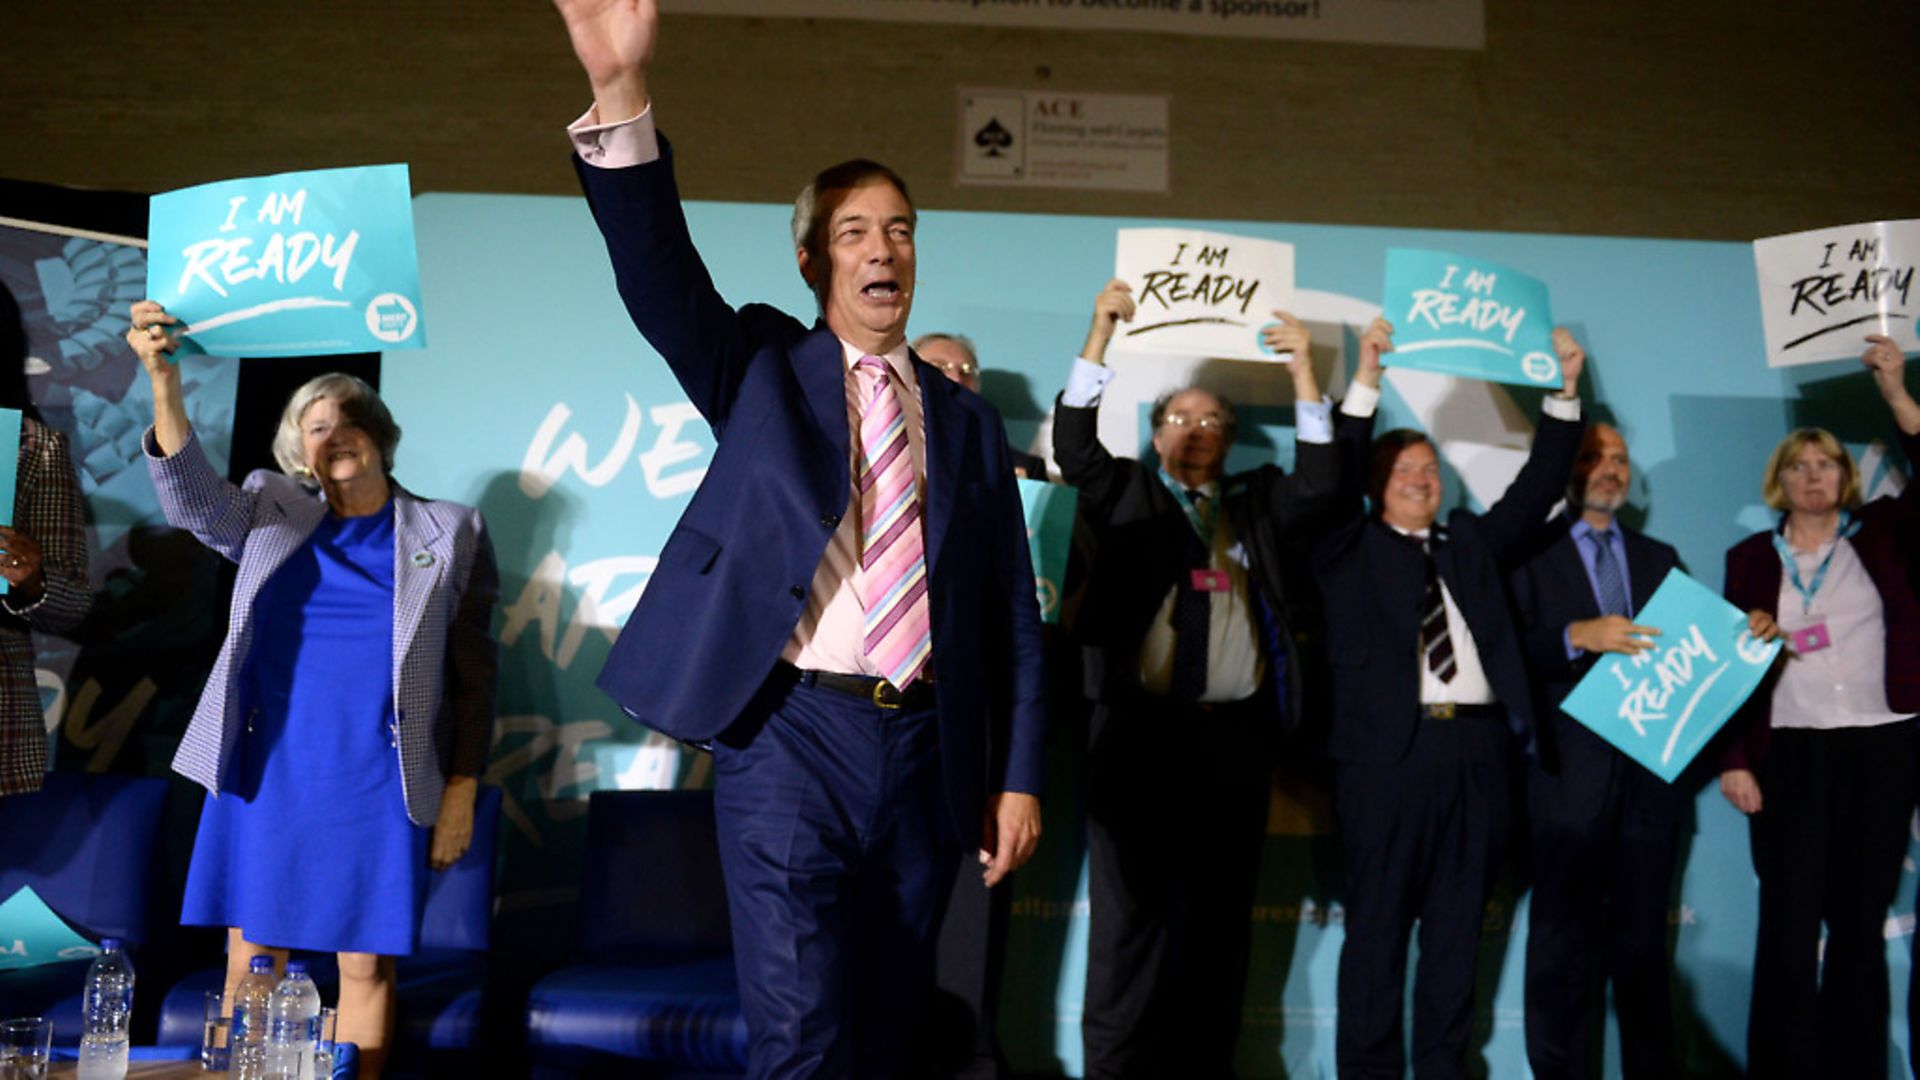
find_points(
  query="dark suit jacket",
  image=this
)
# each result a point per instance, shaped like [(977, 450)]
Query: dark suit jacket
[(1374, 581), (1888, 538), (1549, 591), (1142, 533), (734, 576)]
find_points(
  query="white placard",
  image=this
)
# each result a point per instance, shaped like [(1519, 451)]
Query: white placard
[(1447, 24), (1822, 292), (1201, 293), (1106, 142)]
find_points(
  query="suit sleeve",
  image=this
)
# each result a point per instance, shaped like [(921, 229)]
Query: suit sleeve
[(1085, 463), (665, 284), (473, 659), (47, 508), (1542, 636), (1514, 524), (1346, 510), (193, 497), (1023, 766)]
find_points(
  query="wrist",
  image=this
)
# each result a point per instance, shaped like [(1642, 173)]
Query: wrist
[(620, 98)]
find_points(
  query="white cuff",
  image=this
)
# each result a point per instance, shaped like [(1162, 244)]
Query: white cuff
[(1561, 408), (1085, 384), (1313, 421), (1361, 400), (615, 146)]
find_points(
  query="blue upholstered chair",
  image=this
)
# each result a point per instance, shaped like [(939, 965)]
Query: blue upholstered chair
[(439, 985), (86, 843), (653, 990)]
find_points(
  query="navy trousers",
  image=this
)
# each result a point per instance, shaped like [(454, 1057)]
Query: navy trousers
[(838, 854)]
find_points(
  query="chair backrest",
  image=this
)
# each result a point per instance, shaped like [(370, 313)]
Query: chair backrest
[(459, 909), (86, 843), (651, 889)]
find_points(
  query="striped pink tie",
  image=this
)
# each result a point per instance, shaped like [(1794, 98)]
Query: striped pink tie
[(892, 578)]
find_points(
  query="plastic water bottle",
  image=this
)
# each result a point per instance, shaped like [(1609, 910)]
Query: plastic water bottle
[(295, 1025), (108, 1006), (247, 1037)]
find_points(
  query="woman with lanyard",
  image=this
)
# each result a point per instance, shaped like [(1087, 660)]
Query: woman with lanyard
[(1825, 763)]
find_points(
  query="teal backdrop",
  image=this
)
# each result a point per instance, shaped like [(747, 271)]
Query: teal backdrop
[(538, 402)]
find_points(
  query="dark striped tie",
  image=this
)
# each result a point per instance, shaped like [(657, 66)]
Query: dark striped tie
[(1435, 642)]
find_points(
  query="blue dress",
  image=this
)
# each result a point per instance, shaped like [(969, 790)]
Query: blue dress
[(310, 847)]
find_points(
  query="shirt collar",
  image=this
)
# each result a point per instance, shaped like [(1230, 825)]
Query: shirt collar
[(1582, 529), (896, 358)]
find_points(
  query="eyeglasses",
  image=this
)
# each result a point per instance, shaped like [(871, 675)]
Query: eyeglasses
[(963, 370), (1204, 423)]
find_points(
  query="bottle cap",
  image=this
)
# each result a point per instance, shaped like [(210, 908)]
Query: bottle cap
[(110, 944), (296, 967), (260, 964)]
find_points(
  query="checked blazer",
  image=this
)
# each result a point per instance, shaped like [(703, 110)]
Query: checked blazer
[(46, 507), (445, 661)]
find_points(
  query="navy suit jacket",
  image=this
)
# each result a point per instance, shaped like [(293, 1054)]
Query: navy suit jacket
[(1373, 582), (1550, 591), (734, 576)]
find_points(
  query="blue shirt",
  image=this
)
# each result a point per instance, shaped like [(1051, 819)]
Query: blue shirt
[(1584, 542)]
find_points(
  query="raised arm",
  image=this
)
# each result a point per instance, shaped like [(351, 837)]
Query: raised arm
[(1513, 524), (1889, 365), (1083, 461), (154, 344)]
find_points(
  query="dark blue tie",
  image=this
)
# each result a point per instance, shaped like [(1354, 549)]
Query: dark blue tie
[(1606, 575)]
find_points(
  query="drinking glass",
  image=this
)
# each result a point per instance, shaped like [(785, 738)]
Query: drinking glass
[(26, 1045), (214, 1053)]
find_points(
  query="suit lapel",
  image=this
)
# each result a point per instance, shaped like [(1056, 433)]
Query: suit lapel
[(1571, 574), (945, 433), (1640, 567), (422, 551), (820, 365)]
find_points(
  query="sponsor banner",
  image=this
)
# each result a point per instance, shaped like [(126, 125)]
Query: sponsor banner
[(1106, 142), (1822, 292), (1446, 24), (298, 264)]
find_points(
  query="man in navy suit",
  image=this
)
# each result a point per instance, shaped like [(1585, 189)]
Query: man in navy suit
[(1431, 699), (847, 779), (1606, 832)]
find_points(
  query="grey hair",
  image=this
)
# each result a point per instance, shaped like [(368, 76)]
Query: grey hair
[(962, 340), (358, 401), (1159, 414)]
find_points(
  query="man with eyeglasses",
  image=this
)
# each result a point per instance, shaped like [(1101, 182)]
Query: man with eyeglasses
[(956, 358), (1199, 624), (1431, 700)]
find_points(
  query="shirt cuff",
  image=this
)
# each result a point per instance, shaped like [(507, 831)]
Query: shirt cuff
[(1313, 421), (615, 146), (1361, 401), (1574, 652), (1085, 384), (1561, 408)]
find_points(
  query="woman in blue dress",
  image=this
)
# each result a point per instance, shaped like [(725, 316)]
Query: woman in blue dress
[(346, 722)]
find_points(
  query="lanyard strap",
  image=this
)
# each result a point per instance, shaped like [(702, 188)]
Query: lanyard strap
[(1202, 522), (1792, 566)]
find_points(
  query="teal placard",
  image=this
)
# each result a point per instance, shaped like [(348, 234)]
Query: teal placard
[(297, 264), (1049, 510), (31, 933), (1661, 706), (9, 462), (1462, 316)]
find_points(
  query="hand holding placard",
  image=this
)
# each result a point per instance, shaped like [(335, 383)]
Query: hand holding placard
[(1112, 307)]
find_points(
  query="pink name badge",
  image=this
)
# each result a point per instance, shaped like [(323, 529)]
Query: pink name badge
[(1811, 639), (1211, 581)]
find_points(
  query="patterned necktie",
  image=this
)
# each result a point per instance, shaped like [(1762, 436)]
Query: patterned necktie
[(1606, 575), (1192, 613), (891, 579), (1435, 642)]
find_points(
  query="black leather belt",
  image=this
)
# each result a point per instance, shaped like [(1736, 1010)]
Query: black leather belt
[(877, 692), (1446, 710)]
